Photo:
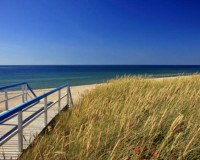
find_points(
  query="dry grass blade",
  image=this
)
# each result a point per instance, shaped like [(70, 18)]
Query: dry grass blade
[(128, 118)]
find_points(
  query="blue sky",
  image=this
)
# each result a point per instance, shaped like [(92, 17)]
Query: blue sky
[(99, 32)]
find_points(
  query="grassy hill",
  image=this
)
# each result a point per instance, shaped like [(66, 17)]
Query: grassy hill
[(128, 118)]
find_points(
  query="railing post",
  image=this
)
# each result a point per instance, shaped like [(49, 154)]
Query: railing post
[(45, 111), (6, 99), (71, 100), (23, 97), (20, 132), (26, 92), (59, 101), (68, 103)]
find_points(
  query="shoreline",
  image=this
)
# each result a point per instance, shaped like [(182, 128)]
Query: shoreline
[(146, 77), (77, 91)]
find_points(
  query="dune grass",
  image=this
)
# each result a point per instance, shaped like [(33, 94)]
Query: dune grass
[(129, 118)]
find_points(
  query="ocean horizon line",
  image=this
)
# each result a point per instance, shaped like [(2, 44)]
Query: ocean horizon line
[(101, 65), (51, 76)]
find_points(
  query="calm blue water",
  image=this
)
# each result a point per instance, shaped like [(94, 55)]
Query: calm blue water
[(53, 76)]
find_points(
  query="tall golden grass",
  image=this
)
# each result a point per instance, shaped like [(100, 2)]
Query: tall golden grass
[(128, 118)]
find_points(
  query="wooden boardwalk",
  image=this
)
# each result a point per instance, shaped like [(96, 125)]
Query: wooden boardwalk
[(10, 149)]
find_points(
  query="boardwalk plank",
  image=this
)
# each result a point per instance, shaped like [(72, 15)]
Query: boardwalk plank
[(10, 149)]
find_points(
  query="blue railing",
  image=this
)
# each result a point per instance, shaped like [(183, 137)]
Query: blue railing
[(23, 93), (16, 85), (18, 111), (23, 106)]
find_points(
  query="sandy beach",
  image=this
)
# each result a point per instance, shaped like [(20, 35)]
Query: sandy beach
[(77, 91)]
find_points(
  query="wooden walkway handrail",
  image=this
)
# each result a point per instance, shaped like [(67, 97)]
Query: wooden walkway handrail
[(18, 111)]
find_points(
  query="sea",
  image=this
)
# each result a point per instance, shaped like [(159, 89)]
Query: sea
[(52, 76)]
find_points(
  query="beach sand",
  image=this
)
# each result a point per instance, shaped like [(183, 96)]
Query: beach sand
[(76, 91)]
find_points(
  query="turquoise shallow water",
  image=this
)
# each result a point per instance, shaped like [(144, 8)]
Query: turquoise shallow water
[(53, 76)]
